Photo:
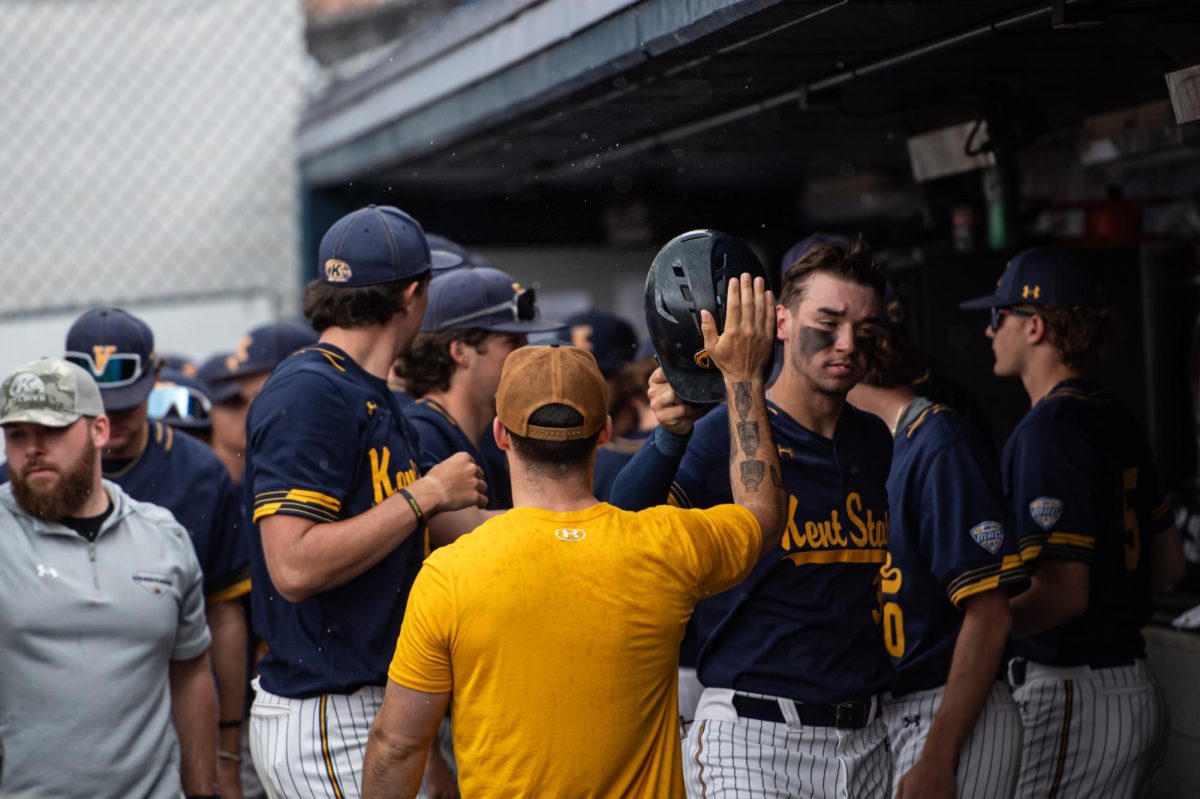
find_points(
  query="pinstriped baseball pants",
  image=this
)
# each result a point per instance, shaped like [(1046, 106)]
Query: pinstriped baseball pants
[(989, 761), (725, 757), (312, 748), (1090, 732)]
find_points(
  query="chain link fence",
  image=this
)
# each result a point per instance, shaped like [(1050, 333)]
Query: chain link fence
[(148, 151)]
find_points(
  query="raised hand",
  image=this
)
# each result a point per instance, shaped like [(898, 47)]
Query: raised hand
[(749, 335)]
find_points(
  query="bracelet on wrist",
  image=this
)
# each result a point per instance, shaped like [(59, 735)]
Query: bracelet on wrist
[(416, 509), (230, 756)]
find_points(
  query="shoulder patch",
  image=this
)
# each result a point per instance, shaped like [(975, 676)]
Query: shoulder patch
[(1046, 511), (989, 535)]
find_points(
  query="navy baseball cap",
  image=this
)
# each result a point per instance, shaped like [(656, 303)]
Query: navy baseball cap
[(264, 348), (214, 374), (483, 298), (373, 245), (180, 400), (1042, 276), (117, 350), (607, 336), (446, 254)]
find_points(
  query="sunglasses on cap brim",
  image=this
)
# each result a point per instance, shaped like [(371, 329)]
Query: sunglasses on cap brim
[(523, 306), (182, 402), (119, 369)]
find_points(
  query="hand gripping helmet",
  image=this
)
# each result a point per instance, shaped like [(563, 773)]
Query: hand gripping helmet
[(692, 272)]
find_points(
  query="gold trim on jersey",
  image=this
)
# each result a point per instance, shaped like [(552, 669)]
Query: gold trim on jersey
[(299, 501), (1033, 545), (235, 591), (439, 408), (837, 556), (332, 357), (985, 578)]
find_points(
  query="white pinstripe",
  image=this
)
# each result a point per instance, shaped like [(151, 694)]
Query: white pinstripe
[(990, 759), (285, 742), (1111, 744), (727, 757)]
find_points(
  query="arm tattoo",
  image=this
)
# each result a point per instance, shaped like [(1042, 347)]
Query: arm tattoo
[(775, 478), (741, 399), (752, 474), (748, 436)]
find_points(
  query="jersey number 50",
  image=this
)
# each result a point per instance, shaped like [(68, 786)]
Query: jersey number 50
[(893, 617)]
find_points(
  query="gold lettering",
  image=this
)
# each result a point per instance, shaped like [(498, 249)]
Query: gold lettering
[(854, 503), (813, 531), (891, 577), (837, 538), (379, 474), (791, 534), (406, 477)]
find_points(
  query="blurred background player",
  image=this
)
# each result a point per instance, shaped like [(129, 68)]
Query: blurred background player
[(1095, 529), (236, 379), (952, 561), (107, 687), (343, 506), (153, 463), (182, 401), (792, 691), (510, 645), (475, 317), (632, 405), (613, 342)]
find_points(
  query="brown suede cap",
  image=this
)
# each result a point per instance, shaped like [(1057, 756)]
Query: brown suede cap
[(539, 375)]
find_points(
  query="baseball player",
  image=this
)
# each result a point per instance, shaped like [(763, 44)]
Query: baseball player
[(561, 685), (952, 561), (183, 402), (1096, 530), (234, 379), (154, 463), (792, 659), (343, 503), (476, 316)]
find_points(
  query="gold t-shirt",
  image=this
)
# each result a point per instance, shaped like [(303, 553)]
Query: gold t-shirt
[(559, 633)]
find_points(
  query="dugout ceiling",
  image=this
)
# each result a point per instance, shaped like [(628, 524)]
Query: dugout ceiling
[(506, 94)]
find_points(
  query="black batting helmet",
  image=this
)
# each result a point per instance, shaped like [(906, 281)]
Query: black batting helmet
[(690, 273)]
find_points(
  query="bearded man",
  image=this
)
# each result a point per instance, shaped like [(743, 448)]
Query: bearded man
[(96, 589)]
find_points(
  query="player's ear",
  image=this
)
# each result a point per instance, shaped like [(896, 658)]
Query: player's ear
[(606, 433), (782, 322), (1035, 329), (99, 430), (458, 352), (500, 434)]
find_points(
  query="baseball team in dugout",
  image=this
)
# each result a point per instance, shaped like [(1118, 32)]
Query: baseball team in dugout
[(427, 542)]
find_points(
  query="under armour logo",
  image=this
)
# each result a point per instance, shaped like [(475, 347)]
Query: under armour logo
[(371, 408), (912, 721), (569, 535), (42, 571), (1031, 291)]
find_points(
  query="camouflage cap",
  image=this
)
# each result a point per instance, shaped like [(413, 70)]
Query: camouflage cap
[(49, 392)]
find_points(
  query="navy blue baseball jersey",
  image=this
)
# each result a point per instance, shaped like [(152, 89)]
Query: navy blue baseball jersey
[(949, 539), (441, 437), (326, 441), (804, 624), (1083, 486), (496, 464), (184, 476), (611, 459)]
